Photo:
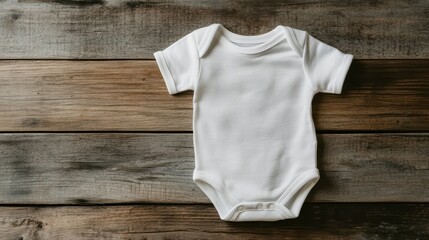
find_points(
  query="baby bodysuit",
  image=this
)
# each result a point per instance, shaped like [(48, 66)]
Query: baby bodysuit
[(254, 138)]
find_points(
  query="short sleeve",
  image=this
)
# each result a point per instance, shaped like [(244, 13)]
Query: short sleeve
[(325, 66), (179, 64)]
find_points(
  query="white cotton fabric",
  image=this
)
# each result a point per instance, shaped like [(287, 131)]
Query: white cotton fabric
[(254, 137)]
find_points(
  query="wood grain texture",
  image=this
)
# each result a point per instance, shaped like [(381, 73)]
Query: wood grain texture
[(139, 185), (316, 221), (130, 95), (99, 29), (99, 168)]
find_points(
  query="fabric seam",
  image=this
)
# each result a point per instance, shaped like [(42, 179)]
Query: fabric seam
[(295, 41), (295, 183), (307, 78), (200, 47), (166, 70), (340, 70), (194, 82), (206, 40)]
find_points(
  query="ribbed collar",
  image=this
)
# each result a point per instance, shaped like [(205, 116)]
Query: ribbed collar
[(265, 40)]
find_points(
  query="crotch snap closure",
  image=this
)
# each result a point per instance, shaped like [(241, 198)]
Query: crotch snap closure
[(241, 208)]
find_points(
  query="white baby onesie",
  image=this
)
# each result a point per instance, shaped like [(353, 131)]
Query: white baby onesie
[(253, 133)]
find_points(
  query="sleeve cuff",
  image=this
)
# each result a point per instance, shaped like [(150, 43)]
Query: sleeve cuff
[(342, 73), (165, 72)]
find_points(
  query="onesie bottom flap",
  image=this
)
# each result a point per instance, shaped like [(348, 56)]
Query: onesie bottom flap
[(259, 211), (287, 206), (259, 216)]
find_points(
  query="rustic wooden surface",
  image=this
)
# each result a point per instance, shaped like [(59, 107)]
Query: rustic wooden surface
[(130, 95), (316, 221), (40, 29), (73, 168), (93, 147)]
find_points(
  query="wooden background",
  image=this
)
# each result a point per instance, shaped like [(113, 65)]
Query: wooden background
[(93, 147)]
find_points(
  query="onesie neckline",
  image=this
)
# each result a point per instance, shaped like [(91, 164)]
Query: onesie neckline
[(266, 40)]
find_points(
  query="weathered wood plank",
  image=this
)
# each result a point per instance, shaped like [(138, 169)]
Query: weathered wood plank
[(316, 221), (93, 168), (41, 29), (379, 95)]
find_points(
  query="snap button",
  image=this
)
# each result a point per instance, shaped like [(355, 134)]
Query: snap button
[(241, 209), (271, 206), (260, 206)]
